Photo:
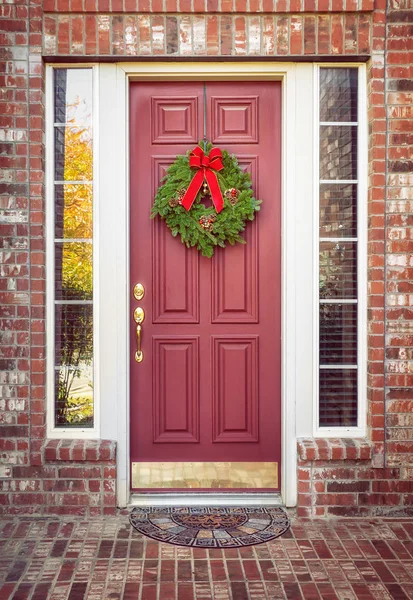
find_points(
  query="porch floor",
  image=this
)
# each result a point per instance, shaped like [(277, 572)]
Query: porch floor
[(341, 559)]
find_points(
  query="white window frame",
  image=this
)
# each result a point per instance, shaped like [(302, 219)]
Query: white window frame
[(360, 430), (54, 432)]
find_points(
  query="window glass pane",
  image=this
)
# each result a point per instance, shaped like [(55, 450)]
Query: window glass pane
[(74, 334), (73, 271), (338, 334), (74, 211), (73, 310), (338, 306), (338, 94), (73, 96), (338, 210), (338, 398), (338, 270), (73, 154), (74, 357), (74, 396), (338, 152)]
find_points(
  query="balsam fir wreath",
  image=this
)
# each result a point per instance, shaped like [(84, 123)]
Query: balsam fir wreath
[(179, 199)]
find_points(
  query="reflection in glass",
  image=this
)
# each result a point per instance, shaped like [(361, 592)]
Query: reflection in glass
[(73, 160), (73, 154), (73, 211), (338, 334), (74, 396), (338, 152), (338, 210), (73, 271), (338, 398), (74, 357), (338, 270), (73, 96), (74, 334), (338, 94)]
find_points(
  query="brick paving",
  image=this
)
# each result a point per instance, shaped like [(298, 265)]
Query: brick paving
[(329, 559)]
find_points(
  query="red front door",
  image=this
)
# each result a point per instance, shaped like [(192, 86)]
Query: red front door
[(209, 386)]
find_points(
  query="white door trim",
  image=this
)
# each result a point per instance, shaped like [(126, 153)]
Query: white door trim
[(206, 499), (113, 173)]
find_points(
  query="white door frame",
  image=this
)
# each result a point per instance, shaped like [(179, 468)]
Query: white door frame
[(297, 234)]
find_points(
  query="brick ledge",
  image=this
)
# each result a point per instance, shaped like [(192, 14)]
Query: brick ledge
[(79, 450), (314, 449), (52, 8)]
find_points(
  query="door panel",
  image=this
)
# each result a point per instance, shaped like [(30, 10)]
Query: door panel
[(175, 272), (174, 120), (175, 366), (235, 374), (235, 282), (208, 388), (175, 280), (234, 119)]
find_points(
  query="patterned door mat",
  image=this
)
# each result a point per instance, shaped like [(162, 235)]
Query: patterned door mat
[(211, 527)]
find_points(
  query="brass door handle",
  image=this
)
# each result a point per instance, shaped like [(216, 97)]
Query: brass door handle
[(138, 353), (139, 317)]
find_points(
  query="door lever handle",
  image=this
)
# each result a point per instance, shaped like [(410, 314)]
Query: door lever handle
[(138, 353), (139, 317)]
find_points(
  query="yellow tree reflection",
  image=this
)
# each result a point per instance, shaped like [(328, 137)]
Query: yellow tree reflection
[(75, 394)]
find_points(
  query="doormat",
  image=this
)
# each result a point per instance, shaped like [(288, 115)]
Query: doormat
[(211, 527)]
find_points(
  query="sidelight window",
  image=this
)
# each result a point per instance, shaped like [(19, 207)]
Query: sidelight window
[(340, 269), (70, 256)]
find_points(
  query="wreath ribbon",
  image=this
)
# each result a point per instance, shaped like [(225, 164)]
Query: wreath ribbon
[(205, 165)]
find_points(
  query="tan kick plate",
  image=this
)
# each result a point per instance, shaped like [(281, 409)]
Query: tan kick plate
[(159, 475)]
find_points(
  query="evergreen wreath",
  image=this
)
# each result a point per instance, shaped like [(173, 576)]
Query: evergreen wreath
[(179, 199)]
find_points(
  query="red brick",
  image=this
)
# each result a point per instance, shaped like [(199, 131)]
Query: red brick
[(348, 486), (82, 472), (309, 34), (379, 499), (336, 499)]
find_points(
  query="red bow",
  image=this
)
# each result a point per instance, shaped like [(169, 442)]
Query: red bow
[(206, 166)]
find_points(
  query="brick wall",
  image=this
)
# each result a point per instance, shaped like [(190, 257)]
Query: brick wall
[(22, 283), (207, 35), (338, 478), (280, 29), (390, 240), (75, 477), (399, 239)]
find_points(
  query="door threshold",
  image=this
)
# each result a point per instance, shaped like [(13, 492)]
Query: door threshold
[(206, 499)]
